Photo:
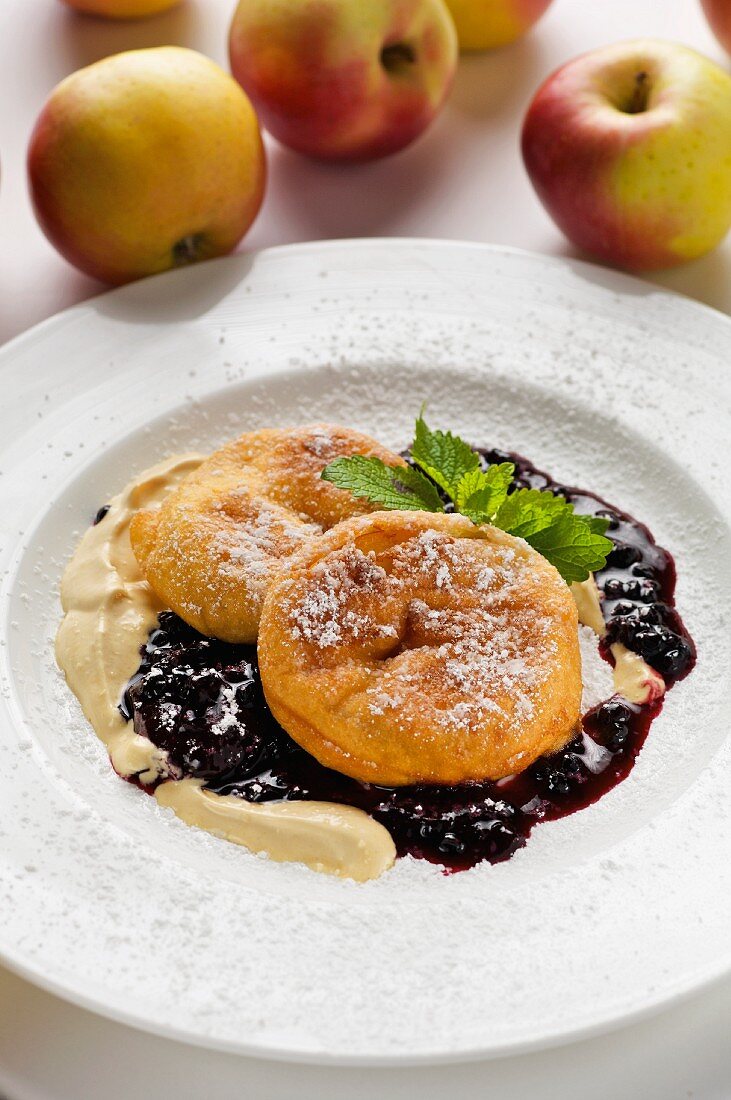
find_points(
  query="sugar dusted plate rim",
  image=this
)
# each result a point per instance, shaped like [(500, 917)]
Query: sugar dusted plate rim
[(519, 329)]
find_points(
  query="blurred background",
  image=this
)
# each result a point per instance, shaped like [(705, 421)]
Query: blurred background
[(463, 179)]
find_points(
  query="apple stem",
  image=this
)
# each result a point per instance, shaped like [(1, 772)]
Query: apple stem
[(397, 57), (640, 93), (187, 250)]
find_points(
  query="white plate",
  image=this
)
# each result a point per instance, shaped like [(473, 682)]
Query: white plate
[(604, 915)]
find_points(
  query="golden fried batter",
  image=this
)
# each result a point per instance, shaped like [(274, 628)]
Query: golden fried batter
[(405, 647), (211, 548)]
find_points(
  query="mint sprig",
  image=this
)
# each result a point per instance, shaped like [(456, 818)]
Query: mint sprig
[(574, 544)]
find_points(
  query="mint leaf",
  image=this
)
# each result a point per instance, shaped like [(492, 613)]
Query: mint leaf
[(480, 493), (395, 488), (575, 545), (597, 524), (572, 546), (444, 457), (529, 510)]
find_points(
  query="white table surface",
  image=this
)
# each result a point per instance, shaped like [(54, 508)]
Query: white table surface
[(463, 180)]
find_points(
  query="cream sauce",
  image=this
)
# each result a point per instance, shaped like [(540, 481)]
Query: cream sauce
[(109, 611), (633, 677), (339, 840)]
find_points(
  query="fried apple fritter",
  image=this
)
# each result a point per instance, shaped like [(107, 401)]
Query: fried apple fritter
[(406, 647), (211, 549)]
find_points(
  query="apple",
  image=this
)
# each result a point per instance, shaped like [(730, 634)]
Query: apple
[(145, 161), (121, 9), (485, 24), (344, 79), (718, 14), (629, 149)]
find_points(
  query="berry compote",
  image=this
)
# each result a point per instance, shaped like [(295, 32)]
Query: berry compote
[(201, 701)]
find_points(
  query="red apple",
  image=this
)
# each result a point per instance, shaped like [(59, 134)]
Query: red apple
[(718, 14), (629, 149), (144, 161), (344, 79)]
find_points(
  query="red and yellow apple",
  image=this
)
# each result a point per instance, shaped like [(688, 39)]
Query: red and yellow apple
[(121, 9), (344, 79), (145, 161), (629, 149), (486, 24), (718, 14)]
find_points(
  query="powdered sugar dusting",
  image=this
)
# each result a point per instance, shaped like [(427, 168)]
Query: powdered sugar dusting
[(320, 443), (248, 552), (326, 615), (596, 673), (487, 665), (464, 645)]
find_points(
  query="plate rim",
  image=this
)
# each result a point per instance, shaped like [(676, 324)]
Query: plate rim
[(344, 243), (303, 1056)]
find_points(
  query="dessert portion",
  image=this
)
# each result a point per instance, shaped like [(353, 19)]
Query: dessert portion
[(405, 647), (415, 685), (211, 548)]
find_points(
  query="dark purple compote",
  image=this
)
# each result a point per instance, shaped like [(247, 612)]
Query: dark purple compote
[(201, 701)]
